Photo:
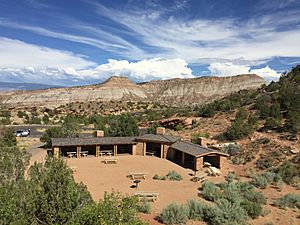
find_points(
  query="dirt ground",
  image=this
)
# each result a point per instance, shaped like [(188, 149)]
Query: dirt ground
[(100, 177)]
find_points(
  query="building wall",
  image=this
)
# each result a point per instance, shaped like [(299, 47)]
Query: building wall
[(199, 163), (139, 148), (166, 150), (223, 161)]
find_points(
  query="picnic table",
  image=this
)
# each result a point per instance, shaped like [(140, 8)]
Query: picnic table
[(106, 152), (84, 153), (137, 175), (150, 153), (71, 154), (150, 196), (110, 160), (199, 177), (213, 171)]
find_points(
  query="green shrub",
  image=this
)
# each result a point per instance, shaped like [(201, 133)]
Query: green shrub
[(196, 209), (173, 175), (288, 172), (232, 149), (21, 114), (158, 177), (260, 182), (144, 206), (174, 214), (253, 209), (227, 213), (179, 127), (210, 191), (288, 200)]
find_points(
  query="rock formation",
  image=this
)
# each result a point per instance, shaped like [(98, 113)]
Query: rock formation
[(173, 92)]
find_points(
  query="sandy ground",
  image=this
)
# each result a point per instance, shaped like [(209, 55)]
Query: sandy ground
[(100, 177)]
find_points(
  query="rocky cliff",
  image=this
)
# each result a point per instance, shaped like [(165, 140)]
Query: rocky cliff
[(174, 92)]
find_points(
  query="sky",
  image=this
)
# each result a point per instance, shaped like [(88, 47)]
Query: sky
[(76, 42)]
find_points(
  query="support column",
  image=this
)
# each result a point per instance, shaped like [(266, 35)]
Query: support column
[(133, 149), (78, 151), (144, 148), (56, 151), (161, 150), (182, 158), (97, 150), (115, 150)]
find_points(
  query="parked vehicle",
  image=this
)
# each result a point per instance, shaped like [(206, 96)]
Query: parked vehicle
[(22, 133)]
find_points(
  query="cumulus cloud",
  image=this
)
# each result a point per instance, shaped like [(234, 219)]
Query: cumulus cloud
[(71, 71), (227, 69), (230, 69), (143, 70)]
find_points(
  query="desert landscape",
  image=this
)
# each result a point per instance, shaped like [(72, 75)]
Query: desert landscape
[(150, 112)]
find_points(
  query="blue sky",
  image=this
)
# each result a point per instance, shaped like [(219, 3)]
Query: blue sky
[(86, 41)]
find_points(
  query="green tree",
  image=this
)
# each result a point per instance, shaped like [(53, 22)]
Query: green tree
[(13, 163), (52, 132), (122, 125), (8, 137), (55, 196)]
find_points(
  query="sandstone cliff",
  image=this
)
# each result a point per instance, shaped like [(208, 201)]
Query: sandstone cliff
[(174, 92)]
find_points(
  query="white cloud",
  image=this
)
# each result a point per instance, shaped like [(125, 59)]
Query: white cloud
[(267, 73), (144, 70), (227, 69), (198, 40), (18, 54), (230, 69)]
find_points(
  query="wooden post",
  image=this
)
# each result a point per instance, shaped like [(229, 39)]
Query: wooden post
[(161, 150), (97, 150), (56, 151), (78, 151), (182, 158), (133, 149), (115, 150), (144, 148)]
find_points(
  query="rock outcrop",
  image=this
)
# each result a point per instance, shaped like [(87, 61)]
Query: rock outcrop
[(173, 92)]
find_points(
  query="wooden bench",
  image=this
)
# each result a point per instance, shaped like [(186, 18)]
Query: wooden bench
[(149, 196), (110, 160), (150, 153), (135, 176)]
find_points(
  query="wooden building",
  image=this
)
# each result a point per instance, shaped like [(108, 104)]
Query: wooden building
[(184, 153)]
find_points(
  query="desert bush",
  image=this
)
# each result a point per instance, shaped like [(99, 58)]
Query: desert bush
[(230, 177), (196, 209), (158, 177), (21, 114), (253, 209), (227, 213), (288, 172), (232, 149), (288, 200), (174, 214), (210, 191), (173, 175), (260, 182), (144, 206), (264, 163)]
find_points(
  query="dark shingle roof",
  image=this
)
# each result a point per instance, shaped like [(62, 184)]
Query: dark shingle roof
[(60, 142), (158, 138), (194, 149)]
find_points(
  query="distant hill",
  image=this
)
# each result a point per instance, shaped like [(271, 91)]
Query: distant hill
[(171, 92), (7, 86)]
